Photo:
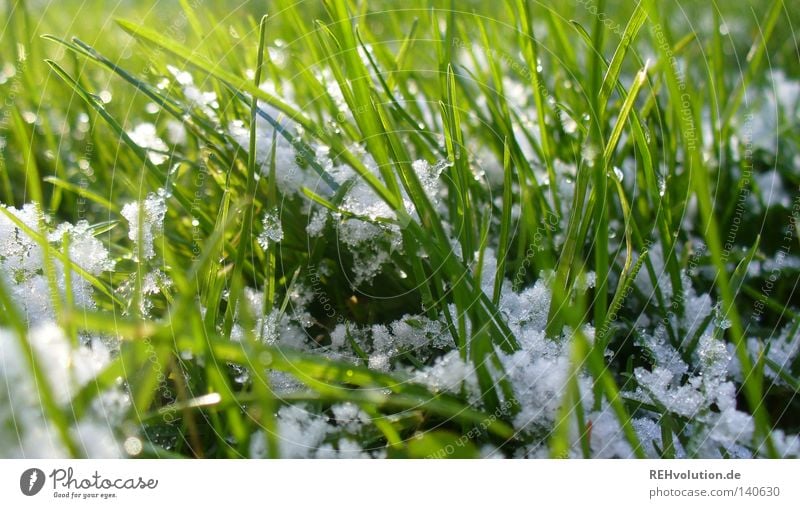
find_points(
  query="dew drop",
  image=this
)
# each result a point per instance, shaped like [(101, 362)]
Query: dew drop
[(133, 446)]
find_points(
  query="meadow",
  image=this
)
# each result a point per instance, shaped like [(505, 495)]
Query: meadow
[(418, 229)]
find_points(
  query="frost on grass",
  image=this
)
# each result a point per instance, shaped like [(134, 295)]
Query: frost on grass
[(367, 226), (25, 428), (680, 365), (206, 102), (700, 390), (145, 136), (274, 327), (383, 344), (153, 213), (291, 176), (781, 354), (273, 231), (22, 263), (363, 223), (692, 377), (304, 434)]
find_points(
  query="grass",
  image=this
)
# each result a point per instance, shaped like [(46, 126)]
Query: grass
[(567, 144)]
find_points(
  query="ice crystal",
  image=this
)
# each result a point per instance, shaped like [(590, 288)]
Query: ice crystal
[(22, 262), (155, 209), (145, 136), (204, 101), (273, 231), (67, 368)]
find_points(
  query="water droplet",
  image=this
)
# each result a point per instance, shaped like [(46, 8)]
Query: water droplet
[(133, 446), (724, 324)]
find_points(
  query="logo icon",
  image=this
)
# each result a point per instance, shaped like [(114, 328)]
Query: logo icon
[(31, 481)]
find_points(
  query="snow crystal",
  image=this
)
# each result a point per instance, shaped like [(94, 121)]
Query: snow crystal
[(429, 175), (788, 446), (316, 223), (155, 209), (448, 374), (338, 336), (300, 432), (781, 350), (24, 431), (347, 449), (273, 231), (660, 386), (154, 281), (22, 262), (145, 136), (607, 438), (176, 132), (349, 416), (539, 378), (303, 434), (274, 327), (384, 342), (290, 176), (206, 101)]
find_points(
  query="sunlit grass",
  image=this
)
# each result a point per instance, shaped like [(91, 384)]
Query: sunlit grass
[(408, 229)]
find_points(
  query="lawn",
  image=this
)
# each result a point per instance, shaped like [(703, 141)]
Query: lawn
[(418, 229)]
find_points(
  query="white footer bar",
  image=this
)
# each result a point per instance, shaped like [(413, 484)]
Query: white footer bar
[(405, 484)]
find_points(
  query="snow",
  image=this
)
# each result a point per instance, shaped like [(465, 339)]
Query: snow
[(303, 434), (699, 386), (24, 430), (22, 262), (273, 231), (155, 209), (145, 136)]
